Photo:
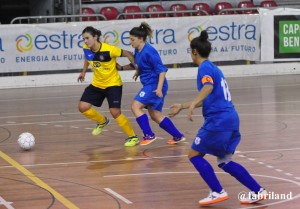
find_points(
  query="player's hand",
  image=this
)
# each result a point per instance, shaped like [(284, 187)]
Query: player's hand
[(190, 111), (81, 77), (136, 75), (158, 93), (175, 109)]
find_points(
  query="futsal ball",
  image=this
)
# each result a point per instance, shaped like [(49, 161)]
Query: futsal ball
[(26, 141)]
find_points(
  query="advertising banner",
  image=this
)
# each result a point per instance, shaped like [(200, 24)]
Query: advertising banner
[(58, 46), (280, 35)]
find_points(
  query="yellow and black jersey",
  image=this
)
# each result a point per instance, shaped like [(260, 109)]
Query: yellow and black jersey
[(103, 63)]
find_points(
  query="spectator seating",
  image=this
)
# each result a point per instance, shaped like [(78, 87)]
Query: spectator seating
[(223, 5), (155, 8), (111, 13), (268, 4), (202, 6), (131, 9), (245, 5), (88, 11), (178, 7)]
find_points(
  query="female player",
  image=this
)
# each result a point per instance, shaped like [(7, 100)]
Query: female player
[(219, 135), (106, 83), (152, 74)]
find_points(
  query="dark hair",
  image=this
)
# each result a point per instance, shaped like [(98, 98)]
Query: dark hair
[(93, 31), (201, 44), (142, 31)]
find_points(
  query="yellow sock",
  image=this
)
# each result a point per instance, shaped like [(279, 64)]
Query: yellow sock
[(123, 122), (92, 114)]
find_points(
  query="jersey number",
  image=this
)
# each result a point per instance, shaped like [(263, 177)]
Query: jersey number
[(226, 91)]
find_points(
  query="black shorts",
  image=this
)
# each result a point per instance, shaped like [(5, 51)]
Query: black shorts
[(96, 96)]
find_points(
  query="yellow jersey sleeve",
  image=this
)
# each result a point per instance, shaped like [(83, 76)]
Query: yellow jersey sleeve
[(104, 65)]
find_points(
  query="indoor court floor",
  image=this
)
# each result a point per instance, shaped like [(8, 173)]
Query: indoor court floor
[(70, 168)]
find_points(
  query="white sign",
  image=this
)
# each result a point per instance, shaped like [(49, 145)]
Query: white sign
[(280, 34), (58, 46)]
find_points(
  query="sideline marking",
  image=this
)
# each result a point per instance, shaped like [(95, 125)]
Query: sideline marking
[(38, 181), (118, 195)]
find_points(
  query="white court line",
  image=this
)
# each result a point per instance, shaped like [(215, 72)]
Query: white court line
[(85, 120), (269, 150), (128, 110), (118, 195), (134, 93), (188, 172), (140, 158)]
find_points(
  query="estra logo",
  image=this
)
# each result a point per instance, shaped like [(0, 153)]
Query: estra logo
[(194, 32), (26, 42), (112, 37), (232, 31)]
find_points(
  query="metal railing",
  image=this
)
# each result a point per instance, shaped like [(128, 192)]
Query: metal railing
[(167, 13), (240, 10), (58, 18)]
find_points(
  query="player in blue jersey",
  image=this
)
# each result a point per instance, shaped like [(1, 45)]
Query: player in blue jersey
[(152, 74), (219, 135)]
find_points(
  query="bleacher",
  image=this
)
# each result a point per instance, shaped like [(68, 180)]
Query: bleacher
[(150, 9), (98, 10)]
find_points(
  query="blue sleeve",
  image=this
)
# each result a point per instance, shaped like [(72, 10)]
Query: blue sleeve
[(205, 76), (156, 63)]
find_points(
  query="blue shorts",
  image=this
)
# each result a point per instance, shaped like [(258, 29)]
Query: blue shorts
[(147, 97), (217, 143)]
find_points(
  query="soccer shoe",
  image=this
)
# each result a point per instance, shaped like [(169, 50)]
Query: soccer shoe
[(253, 197), (214, 197), (98, 130), (148, 139), (176, 140), (131, 141)]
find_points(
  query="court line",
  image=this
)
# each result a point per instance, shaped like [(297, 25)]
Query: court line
[(134, 93), (38, 181), (193, 172), (139, 158), (118, 195), (128, 110), (267, 150), (12, 123)]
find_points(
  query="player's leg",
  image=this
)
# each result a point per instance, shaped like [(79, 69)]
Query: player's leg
[(141, 100), (240, 173), (204, 144), (114, 96), (166, 124), (206, 171), (143, 121), (93, 97)]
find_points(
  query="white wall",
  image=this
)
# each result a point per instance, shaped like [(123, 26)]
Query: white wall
[(173, 74)]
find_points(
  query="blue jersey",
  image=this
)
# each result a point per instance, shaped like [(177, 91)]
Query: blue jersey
[(149, 65), (218, 110)]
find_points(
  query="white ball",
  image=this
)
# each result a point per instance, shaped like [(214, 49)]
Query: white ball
[(26, 141)]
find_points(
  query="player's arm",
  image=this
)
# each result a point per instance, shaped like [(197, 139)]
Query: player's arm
[(197, 102), (130, 57), (132, 64), (82, 74), (203, 93), (160, 84)]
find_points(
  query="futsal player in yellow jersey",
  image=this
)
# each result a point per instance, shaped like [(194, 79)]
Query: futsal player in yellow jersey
[(106, 83)]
